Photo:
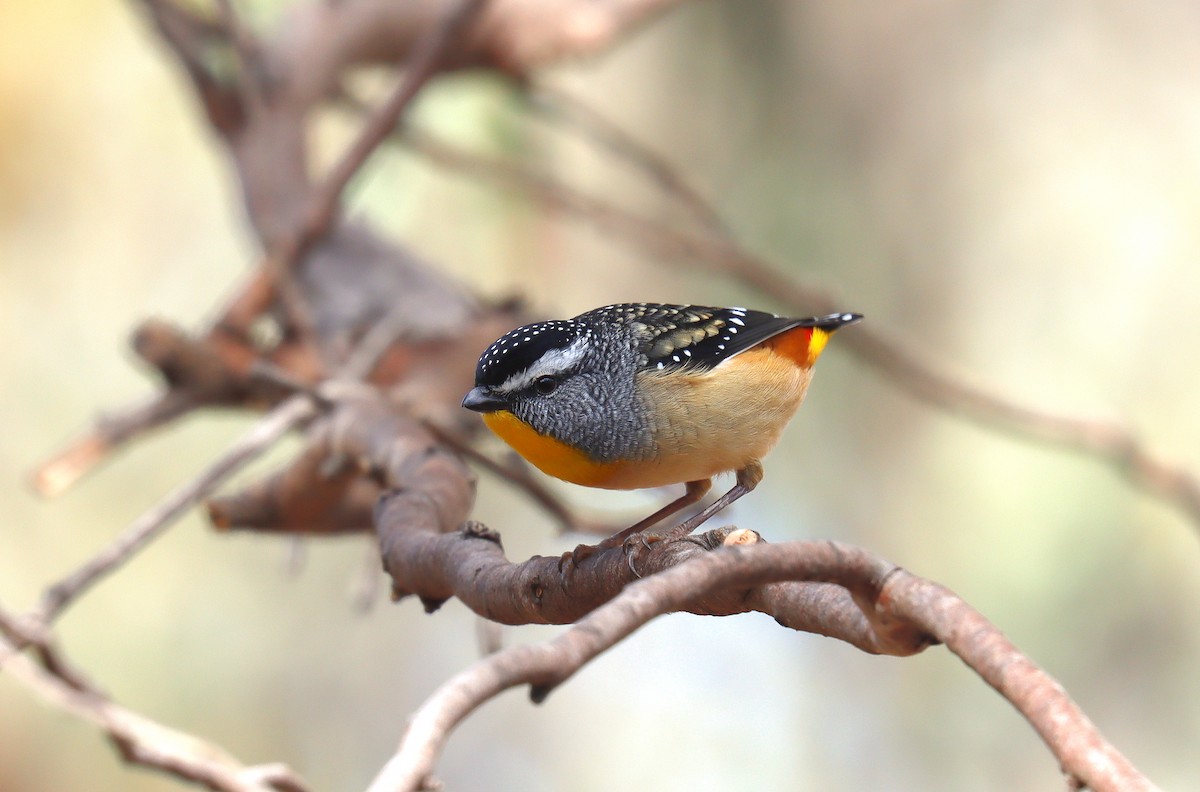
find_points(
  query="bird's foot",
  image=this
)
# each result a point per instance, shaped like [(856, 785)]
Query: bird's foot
[(636, 544)]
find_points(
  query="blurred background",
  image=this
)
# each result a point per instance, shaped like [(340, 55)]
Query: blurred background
[(1010, 189)]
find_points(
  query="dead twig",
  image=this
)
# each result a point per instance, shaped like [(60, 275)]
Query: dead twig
[(422, 64), (153, 522), (561, 107), (59, 473)]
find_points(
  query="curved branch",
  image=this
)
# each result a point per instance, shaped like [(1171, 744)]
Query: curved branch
[(889, 596), (1072, 737), (427, 554), (825, 588)]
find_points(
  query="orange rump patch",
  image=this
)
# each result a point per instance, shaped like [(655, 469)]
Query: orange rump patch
[(801, 345)]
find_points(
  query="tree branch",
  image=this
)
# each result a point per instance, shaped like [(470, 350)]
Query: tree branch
[(892, 600), (152, 523), (138, 739), (59, 473), (422, 64)]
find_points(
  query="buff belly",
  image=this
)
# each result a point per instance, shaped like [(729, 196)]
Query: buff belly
[(721, 420)]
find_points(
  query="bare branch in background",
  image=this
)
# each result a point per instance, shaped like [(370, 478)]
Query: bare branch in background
[(421, 65), (563, 108), (138, 739), (154, 522), (68, 466)]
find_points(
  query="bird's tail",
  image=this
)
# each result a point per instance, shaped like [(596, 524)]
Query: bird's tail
[(804, 343)]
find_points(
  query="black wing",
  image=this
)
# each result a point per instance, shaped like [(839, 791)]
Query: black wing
[(706, 342), (695, 337)]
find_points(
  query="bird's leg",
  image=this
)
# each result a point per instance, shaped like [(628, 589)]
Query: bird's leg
[(694, 492), (747, 479)]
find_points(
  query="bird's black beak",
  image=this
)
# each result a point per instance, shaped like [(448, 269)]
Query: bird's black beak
[(482, 400)]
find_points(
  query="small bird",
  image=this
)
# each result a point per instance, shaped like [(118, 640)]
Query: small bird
[(643, 395)]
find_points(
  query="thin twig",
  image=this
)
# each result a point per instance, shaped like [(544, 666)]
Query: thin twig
[(144, 742), (22, 633), (153, 522), (108, 435), (422, 65), (138, 739), (390, 328)]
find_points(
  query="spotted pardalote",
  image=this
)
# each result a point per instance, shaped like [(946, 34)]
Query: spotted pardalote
[(645, 394)]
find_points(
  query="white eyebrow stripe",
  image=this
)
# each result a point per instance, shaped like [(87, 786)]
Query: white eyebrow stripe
[(554, 361)]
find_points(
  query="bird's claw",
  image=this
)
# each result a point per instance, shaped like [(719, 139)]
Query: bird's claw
[(635, 544), (631, 547)]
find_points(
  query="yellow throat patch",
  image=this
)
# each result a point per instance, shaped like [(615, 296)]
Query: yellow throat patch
[(551, 456)]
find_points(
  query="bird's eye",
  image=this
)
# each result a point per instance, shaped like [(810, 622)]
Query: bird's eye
[(545, 385)]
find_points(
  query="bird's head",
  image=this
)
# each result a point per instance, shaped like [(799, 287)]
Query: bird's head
[(554, 377)]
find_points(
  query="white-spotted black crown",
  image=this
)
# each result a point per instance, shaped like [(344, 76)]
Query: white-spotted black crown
[(517, 350)]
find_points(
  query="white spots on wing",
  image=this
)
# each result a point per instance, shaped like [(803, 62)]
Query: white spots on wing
[(737, 322), (721, 346)]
